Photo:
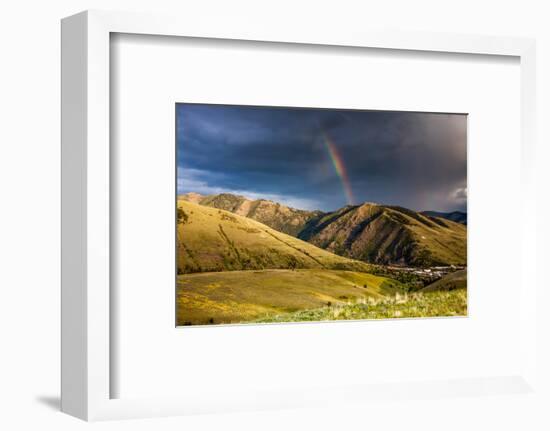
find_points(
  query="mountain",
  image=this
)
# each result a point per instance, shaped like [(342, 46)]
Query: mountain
[(211, 239), (369, 232), (275, 215), (388, 235), (456, 216)]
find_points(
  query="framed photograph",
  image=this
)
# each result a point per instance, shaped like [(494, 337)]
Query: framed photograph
[(308, 214), (262, 218)]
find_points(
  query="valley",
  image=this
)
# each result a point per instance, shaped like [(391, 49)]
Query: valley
[(240, 261)]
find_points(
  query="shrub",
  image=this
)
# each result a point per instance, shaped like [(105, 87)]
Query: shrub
[(183, 217)]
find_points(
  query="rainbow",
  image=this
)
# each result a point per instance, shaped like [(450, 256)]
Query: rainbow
[(339, 167)]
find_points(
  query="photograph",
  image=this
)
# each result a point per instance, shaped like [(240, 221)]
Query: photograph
[(297, 214)]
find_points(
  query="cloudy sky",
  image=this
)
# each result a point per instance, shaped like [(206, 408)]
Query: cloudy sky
[(323, 159)]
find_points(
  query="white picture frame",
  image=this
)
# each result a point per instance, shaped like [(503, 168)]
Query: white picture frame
[(86, 311)]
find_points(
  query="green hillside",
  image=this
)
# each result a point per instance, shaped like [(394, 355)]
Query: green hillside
[(429, 304), (210, 239), (243, 296)]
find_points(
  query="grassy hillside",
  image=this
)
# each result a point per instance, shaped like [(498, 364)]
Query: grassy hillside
[(429, 304), (279, 217), (210, 239), (369, 232), (244, 296), (388, 235), (233, 269), (455, 280)]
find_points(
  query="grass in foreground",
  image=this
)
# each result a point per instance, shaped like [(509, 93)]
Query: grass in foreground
[(244, 296), (428, 304)]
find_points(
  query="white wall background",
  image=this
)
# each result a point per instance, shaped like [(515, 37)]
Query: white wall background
[(30, 199)]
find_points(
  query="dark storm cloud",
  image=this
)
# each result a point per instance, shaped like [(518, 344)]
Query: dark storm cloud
[(416, 160)]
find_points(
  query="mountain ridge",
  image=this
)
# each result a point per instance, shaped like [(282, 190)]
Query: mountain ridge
[(369, 232), (456, 216), (275, 215), (385, 234)]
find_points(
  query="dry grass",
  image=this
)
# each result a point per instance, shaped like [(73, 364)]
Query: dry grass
[(429, 304), (213, 240), (243, 296)]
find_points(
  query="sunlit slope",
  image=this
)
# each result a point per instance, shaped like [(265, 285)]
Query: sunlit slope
[(429, 304), (243, 296), (388, 235), (273, 214), (210, 239), (369, 232)]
